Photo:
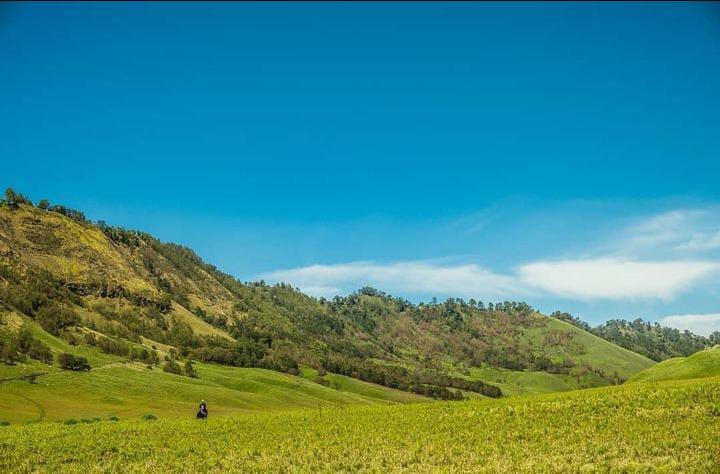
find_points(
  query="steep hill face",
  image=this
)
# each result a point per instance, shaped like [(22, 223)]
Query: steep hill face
[(127, 294)]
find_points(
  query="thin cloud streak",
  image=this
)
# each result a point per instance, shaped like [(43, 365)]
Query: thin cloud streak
[(678, 232)]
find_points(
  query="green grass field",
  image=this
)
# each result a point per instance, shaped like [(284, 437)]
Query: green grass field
[(665, 427), (514, 383), (701, 364), (129, 390)]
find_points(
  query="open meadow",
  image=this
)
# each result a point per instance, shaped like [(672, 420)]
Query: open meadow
[(660, 427), (359, 237)]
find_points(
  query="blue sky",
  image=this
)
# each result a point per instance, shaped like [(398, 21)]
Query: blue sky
[(564, 154)]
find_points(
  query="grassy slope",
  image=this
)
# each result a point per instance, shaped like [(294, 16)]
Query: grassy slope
[(198, 325), (701, 364), (599, 352), (365, 389), (131, 390), (116, 387), (519, 383), (636, 427), (69, 250), (81, 253)]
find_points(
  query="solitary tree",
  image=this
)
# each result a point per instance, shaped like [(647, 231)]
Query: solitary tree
[(12, 199)]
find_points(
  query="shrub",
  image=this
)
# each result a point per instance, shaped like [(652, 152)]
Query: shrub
[(40, 352), (149, 417), (70, 362), (54, 318), (13, 199), (172, 367), (9, 352), (4, 423), (190, 370), (32, 347), (322, 381), (114, 418), (70, 421)]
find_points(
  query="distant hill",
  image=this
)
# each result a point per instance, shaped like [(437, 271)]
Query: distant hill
[(111, 294), (705, 363), (649, 339)]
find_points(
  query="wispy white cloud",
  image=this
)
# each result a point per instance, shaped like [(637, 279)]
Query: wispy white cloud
[(702, 241), (607, 278), (574, 279), (703, 324), (401, 278), (676, 232), (658, 257)]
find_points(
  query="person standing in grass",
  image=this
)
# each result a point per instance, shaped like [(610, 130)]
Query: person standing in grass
[(202, 413)]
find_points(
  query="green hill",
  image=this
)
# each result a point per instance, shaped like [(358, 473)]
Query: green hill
[(601, 359), (116, 296), (701, 364), (653, 340), (595, 351)]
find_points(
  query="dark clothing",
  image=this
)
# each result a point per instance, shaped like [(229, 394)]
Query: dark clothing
[(203, 412)]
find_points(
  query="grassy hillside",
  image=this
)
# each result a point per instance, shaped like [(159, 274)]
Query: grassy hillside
[(593, 350), (111, 294), (367, 390), (701, 364), (666, 427), (131, 390), (586, 349), (116, 386)]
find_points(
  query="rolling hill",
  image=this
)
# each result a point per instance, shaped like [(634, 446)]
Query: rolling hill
[(701, 364), (652, 339), (125, 302)]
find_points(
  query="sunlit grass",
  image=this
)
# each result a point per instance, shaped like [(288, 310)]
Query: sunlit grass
[(669, 427)]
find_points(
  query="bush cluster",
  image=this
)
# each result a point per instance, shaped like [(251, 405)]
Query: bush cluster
[(71, 362)]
